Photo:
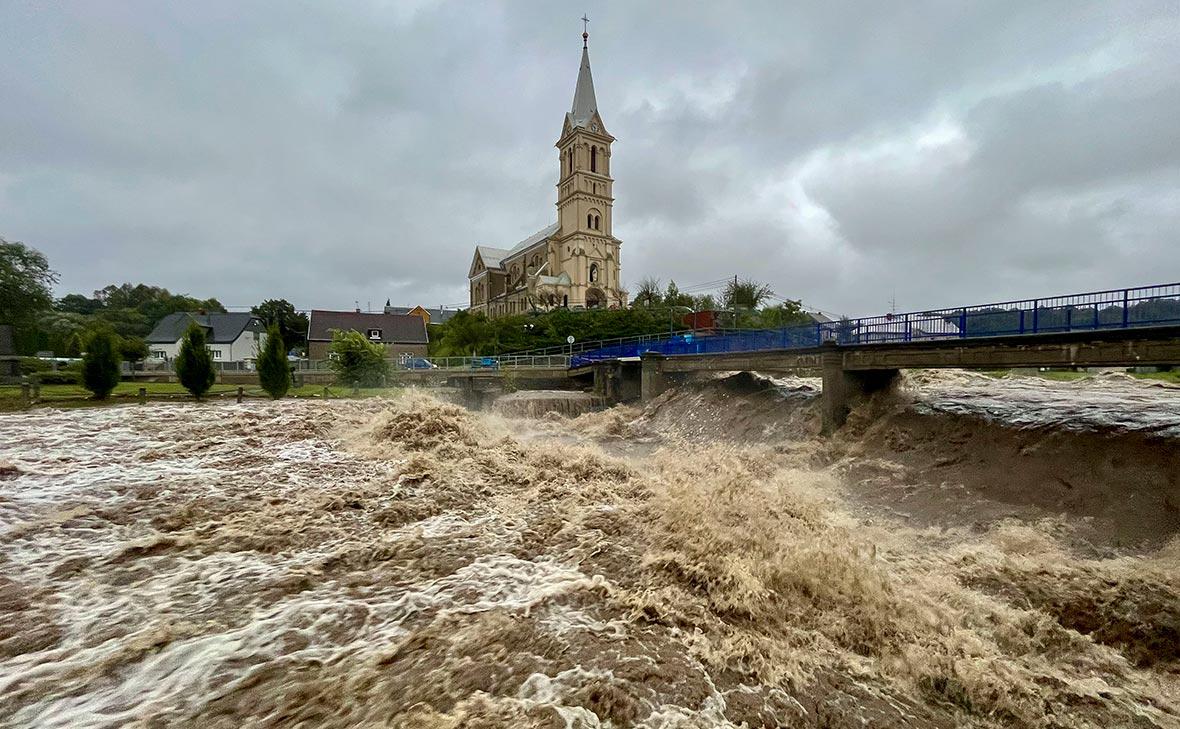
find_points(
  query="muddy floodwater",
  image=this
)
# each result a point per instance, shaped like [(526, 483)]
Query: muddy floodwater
[(969, 552)]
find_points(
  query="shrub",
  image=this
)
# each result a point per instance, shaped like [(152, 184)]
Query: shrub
[(31, 365), (61, 377), (194, 364), (273, 371), (356, 361), (100, 364)]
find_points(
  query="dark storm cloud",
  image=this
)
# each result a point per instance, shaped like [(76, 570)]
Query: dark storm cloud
[(331, 153)]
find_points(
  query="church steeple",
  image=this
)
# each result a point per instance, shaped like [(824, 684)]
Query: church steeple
[(585, 105), (584, 111)]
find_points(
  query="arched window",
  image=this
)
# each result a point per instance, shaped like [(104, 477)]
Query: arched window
[(589, 220), (597, 223), (594, 159), (593, 273)]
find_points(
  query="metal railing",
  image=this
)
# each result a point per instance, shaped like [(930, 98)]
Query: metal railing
[(1146, 306), (476, 363)]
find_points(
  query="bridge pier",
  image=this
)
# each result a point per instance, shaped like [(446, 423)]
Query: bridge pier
[(617, 381), (652, 378), (843, 389)]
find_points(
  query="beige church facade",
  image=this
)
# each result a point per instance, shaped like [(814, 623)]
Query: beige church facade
[(574, 262)]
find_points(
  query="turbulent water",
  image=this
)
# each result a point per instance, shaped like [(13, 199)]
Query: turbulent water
[(706, 562)]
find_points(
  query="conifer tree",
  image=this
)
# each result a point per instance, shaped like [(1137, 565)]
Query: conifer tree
[(194, 364), (100, 365), (273, 371)]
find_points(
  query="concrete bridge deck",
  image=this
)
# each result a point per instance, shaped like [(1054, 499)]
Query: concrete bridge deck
[(852, 371)]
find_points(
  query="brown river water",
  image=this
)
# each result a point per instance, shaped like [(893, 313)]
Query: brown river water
[(969, 553)]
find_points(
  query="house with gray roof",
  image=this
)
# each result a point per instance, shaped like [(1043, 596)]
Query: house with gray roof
[(402, 335), (231, 337), (441, 315)]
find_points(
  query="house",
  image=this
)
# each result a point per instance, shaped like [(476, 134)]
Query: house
[(400, 334), (232, 337), (429, 315)]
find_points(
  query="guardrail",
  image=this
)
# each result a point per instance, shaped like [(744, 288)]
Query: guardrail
[(1114, 309), (477, 363)]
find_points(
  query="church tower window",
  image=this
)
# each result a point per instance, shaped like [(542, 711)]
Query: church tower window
[(597, 223), (594, 159), (593, 273)]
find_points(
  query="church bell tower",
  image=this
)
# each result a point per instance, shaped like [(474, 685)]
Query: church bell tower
[(588, 250)]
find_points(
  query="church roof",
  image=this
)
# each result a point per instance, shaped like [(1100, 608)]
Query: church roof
[(585, 105), (533, 239), (491, 256), (495, 257)]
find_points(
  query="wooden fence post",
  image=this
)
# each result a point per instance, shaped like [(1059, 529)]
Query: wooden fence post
[(24, 392), (240, 389), (143, 396)]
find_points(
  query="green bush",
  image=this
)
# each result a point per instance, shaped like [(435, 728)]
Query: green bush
[(100, 364), (194, 364), (61, 377), (274, 373), (30, 365), (356, 361)]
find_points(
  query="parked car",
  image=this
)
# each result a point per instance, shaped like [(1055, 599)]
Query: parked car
[(485, 363), (419, 363)]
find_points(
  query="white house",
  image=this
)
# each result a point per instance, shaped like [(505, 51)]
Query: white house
[(234, 337)]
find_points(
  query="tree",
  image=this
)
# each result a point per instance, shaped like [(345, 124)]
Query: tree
[(745, 294), (273, 371), (194, 364), (134, 349), (356, 361), (464, 334), (280, 312), (100, 364), (26, 283), (787, 314), (77, 304), (673, 297), (647, 293)]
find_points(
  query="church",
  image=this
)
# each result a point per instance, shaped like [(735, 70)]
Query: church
[(573, 263)]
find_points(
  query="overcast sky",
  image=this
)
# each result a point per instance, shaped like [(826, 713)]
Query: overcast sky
[(845, 153)]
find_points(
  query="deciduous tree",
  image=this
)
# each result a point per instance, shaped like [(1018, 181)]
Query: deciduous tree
[(26, 283), (356, 361)]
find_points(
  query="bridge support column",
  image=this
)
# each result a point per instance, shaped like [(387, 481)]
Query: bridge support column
[(652, 380), (843, 389)]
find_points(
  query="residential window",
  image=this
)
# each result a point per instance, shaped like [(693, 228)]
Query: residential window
[(375, 335), (158, 354), (215, 353)]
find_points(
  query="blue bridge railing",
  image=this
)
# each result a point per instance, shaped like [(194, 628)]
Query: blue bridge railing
[(1115, 309)]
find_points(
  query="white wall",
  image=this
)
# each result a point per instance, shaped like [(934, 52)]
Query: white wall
[(241, 349)]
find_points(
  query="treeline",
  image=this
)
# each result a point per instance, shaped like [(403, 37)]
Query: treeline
[(128, 311), (654, 310)]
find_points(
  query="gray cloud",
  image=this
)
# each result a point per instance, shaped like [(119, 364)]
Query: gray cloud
[(844, 153)]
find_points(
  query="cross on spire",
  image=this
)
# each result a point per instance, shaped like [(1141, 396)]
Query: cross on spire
[(585, 29)]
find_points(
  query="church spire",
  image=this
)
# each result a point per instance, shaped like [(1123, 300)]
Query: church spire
[(584, 105)]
